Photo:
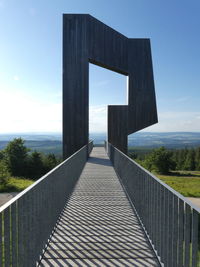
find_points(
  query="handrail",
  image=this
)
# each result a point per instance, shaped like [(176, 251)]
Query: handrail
[(171, 222), (162, 183), (19, 195), (28, 220)]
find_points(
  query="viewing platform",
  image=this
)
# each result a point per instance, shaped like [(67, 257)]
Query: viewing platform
[(99, 208), (98, 226)]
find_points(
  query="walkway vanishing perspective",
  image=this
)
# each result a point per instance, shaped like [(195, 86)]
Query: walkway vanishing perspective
[(98, 226)]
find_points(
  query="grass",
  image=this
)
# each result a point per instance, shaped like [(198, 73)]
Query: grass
[(185, 182), (15, 184)]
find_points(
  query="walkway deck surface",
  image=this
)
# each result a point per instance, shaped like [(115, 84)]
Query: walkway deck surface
[(98, 226)]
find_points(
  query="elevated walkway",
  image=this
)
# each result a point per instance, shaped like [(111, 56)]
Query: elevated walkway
[(82, 214), (98, 226)]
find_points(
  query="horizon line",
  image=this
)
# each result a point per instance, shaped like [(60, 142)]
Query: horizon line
[(100, 132)]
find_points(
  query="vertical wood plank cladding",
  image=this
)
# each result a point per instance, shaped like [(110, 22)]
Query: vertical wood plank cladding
[(75, 83), (118, 126), (86, 39), (142, 101), (107, 47)]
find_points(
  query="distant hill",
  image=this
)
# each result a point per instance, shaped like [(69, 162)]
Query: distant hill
[(151, 140), (51, 142), (46, 143), (31, 136), (169, 140)]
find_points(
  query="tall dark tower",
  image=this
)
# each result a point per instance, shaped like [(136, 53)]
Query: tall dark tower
[(86, 39)]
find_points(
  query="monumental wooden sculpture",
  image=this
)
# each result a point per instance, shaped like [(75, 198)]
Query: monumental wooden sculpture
[(87, 40)]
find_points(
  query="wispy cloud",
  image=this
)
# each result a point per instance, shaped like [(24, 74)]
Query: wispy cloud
[(98, 118), (100, 83), (177, 121), (16, 77), (168, 121), (101, 109), (22, 113), (183, 99)]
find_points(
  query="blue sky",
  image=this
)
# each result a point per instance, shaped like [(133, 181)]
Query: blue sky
[(31, 61)]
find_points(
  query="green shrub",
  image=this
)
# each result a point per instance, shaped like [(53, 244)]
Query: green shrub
[(4, 173), (160, 160)]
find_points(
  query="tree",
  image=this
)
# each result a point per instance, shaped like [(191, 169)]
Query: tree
[(133, 155), (160, 160), (175, 158), (1, 155), (4, 173), (182, 154), (50, 162), (16, 156), (35, 165), (40, 164), (197, 159), (19, 162), (190, 161)]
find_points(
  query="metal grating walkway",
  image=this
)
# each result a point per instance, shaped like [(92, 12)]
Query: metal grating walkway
[(98, 226)]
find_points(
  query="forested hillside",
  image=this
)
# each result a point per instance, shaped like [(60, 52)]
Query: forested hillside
[(176, 159), (18, 161), (179, 168)]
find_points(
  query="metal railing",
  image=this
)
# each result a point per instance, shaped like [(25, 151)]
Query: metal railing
[(90, 147), (28, 220), (171, 222)]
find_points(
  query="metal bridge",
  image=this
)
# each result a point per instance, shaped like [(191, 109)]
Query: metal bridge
[(104, 210)]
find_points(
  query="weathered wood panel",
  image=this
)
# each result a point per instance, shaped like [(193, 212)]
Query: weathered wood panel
[(75, 84), (86, 39), (118, 126), (142, 101)]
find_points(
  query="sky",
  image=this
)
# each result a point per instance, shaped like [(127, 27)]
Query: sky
[(31, 61)]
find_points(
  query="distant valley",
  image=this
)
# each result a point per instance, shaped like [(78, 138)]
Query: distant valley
[(168, 139), (151, 140), (51, 142)]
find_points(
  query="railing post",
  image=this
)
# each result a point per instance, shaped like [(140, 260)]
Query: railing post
[(169, 219), (7, 237), (14, 233), (187, 235), (1, 240), (195, 237), (27, 220), (175, 232), (181, 233), (162, 223)]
